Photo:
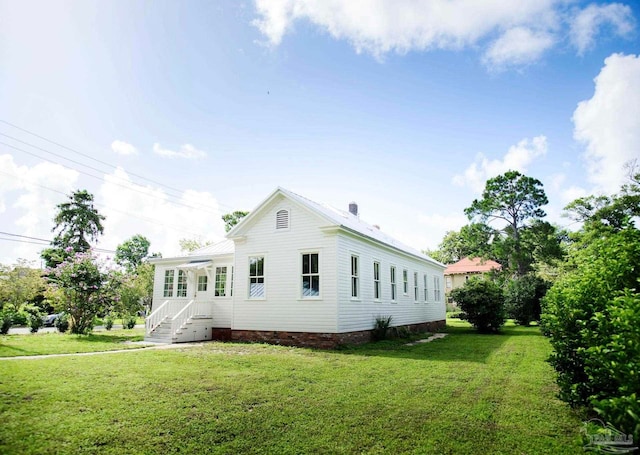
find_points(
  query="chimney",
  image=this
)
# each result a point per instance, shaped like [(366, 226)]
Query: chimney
[(353, 208), (376, 226)]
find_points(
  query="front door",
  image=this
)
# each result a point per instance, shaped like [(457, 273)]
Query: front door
[(202, 284)]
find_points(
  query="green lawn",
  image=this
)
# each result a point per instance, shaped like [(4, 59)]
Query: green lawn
[(466, 393), (59, 343)]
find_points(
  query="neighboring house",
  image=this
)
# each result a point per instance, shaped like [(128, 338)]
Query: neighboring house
[(298, 273), (456, 275)]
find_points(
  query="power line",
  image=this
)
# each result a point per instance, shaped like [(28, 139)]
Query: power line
[(47, 242)]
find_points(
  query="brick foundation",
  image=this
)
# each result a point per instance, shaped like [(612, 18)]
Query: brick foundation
[(221, 334), (322, 340)]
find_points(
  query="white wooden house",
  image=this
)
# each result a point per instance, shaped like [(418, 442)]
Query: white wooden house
[(298, 273)]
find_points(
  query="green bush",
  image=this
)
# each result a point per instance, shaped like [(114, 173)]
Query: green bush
[(34, 317), (482, 303), (20, 318), (129, 321), (592, 316), (108, 322), (6, 321), (522, 297), (62, 323), (381, 327)]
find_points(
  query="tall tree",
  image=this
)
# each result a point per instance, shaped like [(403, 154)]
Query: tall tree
[(77, 223), (131, 252), (231, 219), (472, 240), (514, 199)]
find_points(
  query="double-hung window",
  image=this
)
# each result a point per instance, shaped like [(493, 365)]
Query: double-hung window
[(355, 282), (405, 282), (168, 283), (182, 284), (415, 287), (436, 288), (376, 281), (221, 282), (392, 275), (426, 291), (256, 277), (310, 275)]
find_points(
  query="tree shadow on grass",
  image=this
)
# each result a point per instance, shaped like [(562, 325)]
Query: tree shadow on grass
[(107, 339), (462, 344)]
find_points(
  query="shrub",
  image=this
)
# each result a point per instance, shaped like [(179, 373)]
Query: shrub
[(522, 296), (20, 318), (129, 321), (34, 317), (6, 320), (381, 327), (108, 322), (482, 303), (62, 323)]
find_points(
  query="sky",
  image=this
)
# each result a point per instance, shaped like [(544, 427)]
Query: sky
[(174, 113)]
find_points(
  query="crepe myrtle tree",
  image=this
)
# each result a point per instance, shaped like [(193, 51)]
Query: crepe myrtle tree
[(86, 288)]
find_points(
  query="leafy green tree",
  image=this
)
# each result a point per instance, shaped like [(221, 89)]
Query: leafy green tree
[(77, 223), (132, 252), (474, 240), (233, 218), (522, 298), (514, 199), (189, 245), (20, 285), (86, 288), (482, 303)]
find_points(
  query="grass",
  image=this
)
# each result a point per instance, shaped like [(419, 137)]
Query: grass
[(466, 393), (59, 343)]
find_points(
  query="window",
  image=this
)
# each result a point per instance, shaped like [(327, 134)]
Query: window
[(405, 282), (231, 286), (354, 277), (221, 281), (202, 283), (376, 281), (282, 219), (426, 292), (449, 283), (392, 273), (310, 275), (436, 288), (168, 283), (256, 277), (415, 286), (182, 284)]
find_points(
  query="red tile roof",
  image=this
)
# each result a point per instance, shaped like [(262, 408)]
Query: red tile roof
[(469, 265)]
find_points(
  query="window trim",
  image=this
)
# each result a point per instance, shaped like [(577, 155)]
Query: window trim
[(182, 285), (436, 288), (426, 288), (355, 278), (263, 276), (222, 282), (405, 282), (394, 284), (201, 281), (377, 284), (416, 292), (310, 274)]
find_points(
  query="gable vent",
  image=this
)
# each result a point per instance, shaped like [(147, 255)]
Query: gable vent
[(282, 219)]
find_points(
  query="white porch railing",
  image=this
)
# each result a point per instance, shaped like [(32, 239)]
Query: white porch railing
[(165, 311), (192, 309)]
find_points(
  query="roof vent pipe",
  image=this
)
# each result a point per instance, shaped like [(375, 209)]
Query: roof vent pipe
[(353, 208)]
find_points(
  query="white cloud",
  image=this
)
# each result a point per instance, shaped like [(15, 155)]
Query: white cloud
[(587, 23), (187, 151), (517, 47), (136, 209), (517, 158), (123, 148), (517, 32), (36, 191), (609, 122)]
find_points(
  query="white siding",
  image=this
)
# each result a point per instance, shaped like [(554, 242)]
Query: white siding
[(360, 314), (283, 308)]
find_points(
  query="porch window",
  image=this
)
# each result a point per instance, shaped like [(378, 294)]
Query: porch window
[(415, 287), (182, 284), (310, 275), (355, 281), (376, 281), (168, 283), (256, 277), (202, 283), (221, 281), (392, 273)]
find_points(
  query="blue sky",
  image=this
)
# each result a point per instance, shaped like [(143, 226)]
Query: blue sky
[(405, 107)]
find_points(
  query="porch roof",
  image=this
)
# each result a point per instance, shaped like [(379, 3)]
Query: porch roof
[(195, 265)]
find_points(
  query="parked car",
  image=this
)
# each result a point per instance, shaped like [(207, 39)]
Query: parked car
[(50, 320)]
